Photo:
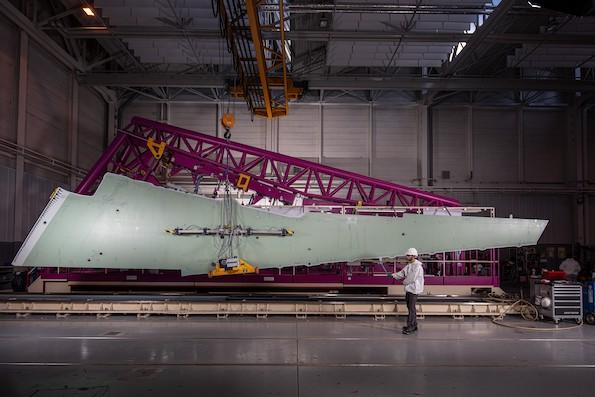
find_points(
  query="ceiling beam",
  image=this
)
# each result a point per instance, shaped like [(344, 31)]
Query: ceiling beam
[(470, 52), (153, 80), (16, 17), (155, 33), (477, 38), (451, 84), (345, 83)]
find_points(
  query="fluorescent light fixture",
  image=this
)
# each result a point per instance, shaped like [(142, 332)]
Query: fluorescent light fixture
[(534, 5), (89, 11)]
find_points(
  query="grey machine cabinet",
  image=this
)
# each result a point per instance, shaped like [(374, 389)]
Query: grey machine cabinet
[(559, 300)]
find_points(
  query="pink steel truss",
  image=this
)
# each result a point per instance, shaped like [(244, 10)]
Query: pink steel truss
[(268, 174)]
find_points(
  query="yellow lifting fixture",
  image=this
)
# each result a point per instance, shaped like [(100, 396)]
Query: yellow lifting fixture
[(156, 149), (234, 265)]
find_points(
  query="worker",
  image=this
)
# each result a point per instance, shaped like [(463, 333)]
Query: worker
[(571, 267), (413, 280)]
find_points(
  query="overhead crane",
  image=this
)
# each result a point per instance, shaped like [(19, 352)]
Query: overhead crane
[(261, 64)]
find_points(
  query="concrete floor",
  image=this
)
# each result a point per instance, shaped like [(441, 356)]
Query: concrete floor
[(125, 356)]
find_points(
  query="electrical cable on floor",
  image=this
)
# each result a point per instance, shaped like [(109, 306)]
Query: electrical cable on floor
[(528, 312)]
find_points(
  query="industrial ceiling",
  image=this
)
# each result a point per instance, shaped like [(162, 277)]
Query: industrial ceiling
[(170, 48)]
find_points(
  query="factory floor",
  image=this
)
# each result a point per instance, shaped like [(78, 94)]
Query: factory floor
[(126, 356)]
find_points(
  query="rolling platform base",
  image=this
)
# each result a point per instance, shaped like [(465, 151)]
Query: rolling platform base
[(261, 307)]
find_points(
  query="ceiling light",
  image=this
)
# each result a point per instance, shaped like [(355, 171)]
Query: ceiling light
[(89, 11), (534, 5)]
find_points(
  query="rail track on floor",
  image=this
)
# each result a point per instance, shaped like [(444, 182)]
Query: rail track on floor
[(261, 305)]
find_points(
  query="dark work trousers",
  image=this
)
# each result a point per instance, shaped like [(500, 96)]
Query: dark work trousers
[(412, 317)]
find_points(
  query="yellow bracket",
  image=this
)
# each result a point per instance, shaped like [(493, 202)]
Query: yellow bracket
[(243, 182), (54, 192), (243, 268), (156, 148)]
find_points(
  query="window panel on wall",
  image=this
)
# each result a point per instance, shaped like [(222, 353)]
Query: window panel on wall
[(495, 145), (544, 145), (450, 126), (48, 104), (197, 117), (345, 137), (395, 143), (147, 110), (92, 127), (9, 67), (299, 133)]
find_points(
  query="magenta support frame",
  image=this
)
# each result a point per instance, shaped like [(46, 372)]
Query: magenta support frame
[(269, 174)]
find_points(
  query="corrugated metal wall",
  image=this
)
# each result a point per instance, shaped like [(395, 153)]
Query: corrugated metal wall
[(300, 133), (495, 145), (555, 208), (590, 170), (591, 221), (201, 118), (346, 137), (248, 131), (92, 127), (36, 195), (148, 110), (451, 144), (7, 182), (9, 66), (590, 119), (395, 143), (544, 145), (48, 102), (48, 107)]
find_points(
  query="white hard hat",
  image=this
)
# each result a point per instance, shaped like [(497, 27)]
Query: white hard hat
[(411, 251)]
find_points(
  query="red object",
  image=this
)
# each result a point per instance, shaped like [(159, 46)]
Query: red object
[(553, 275)]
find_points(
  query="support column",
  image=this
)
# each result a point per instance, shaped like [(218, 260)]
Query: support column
[(218, 114), (587, 208), (521, 145), (21, 131), (470, 164), (430, 147), (422, 144), (321, 136), (575, 168), (371, 135), (277, 128), (112, 122), (164, 112), (73, 128)]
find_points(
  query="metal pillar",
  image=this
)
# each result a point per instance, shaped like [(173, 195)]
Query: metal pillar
[(73, 122), (21, 132), (422, 144)]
